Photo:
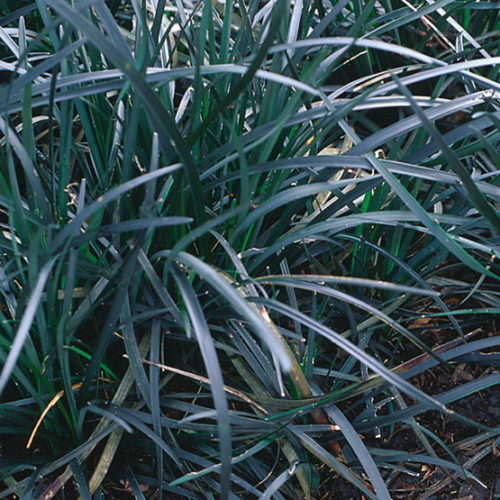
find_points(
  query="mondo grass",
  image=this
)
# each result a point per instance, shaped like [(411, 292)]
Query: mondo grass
[(235, 237)]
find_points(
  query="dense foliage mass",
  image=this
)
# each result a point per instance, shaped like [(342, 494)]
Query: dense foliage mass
[(237, 239)]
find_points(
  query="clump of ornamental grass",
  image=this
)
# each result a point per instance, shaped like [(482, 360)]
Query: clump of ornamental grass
[(227, 229)]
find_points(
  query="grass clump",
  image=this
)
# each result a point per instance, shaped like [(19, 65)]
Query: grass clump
[(234, 238)]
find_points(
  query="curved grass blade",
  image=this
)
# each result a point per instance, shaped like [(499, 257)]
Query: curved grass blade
[(216, 467), (323, 162), (129, 226), (74, 226), (28, 167), (443, 398), (276, 485), (328, 459), (81, 482), (114, 439), (346, 280), (25, 324), (331, 292), (132, 348), (360, 450), (213, 368), (105, 413)]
